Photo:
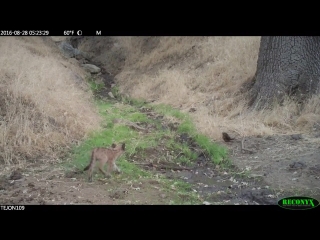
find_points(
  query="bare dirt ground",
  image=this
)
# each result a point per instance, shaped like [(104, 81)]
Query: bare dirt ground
[(287, 162), (51, 185), (281, 166)]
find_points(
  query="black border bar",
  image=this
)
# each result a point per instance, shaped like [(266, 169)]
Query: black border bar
[(217, 31), (64, 32), (152, 208)]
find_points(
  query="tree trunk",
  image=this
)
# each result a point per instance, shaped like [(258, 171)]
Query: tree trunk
[(287, 66)]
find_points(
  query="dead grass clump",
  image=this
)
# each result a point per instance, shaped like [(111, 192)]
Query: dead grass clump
[(148, 51), (310, 115), (200, 72), (207, 73), (42, 108)]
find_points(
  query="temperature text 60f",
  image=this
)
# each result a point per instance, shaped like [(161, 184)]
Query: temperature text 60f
[(68, 32)]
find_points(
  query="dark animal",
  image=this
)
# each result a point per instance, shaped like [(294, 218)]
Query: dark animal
[(226, 137)]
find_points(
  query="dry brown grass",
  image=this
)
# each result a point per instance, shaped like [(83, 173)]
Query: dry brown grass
[(42, 107), (206, 73)]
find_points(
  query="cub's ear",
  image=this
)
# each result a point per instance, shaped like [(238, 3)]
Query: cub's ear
[(113, 145)]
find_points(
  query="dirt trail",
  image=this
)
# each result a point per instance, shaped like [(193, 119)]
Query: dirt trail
[(51, 185)]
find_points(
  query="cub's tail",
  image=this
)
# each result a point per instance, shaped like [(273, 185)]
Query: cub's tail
[(87, 167)]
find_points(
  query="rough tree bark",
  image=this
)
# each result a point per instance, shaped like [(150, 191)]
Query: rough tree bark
[(287, 66)]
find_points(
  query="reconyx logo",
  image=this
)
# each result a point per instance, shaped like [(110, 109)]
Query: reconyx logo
[(298, 203)]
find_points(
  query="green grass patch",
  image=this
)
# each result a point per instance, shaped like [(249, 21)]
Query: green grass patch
[(95, 87), (131, 170), (218, 154), (134, 102), (187, 127), (116, 133), (138, 117), (127, 100), (137, 143), (169, 111), (183, 153), (115, 91), (112, 133), (81, 154)]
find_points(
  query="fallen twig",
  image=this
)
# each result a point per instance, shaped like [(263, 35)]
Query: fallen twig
[(128, 123), (163, 166)]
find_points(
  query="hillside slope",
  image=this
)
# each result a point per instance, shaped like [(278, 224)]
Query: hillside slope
[(45, 104)]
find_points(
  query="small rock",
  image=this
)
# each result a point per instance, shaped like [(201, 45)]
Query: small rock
[(69, 174), (110, 95), (50, 177), (270, 138), (315, 169), (206, 203), (15, 175), (163, 195), (297, 165), (82, 60), (91, 68), (256, 175), (296, 136), (67, 50)]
